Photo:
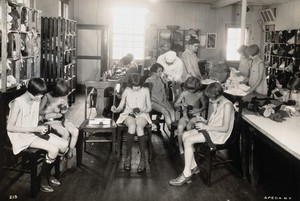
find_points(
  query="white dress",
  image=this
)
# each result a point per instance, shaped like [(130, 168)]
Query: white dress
[(28, 117), (134, 99)]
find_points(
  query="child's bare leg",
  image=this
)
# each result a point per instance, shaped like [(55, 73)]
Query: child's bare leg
[(161, 109), (181, 126), (74, 136)]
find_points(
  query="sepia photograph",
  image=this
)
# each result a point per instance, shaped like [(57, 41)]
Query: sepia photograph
[(149, 100)]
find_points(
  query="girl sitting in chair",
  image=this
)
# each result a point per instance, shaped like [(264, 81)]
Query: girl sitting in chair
[(53, 107), (135, 116), (23, 130), (219, 127), (193, 103)]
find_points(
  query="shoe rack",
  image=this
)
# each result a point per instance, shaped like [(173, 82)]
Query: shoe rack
[(282, 50), (58, 52), (20, 27)]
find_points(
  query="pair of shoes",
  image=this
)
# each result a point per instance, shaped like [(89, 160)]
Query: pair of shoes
[(180, 180), (142, 166), (54, 181), (195, 170), (46, 188), (127, 163)]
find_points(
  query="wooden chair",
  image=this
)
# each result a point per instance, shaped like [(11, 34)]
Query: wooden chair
[(26, 161), (96, 133), (121, 128), (208, 150)]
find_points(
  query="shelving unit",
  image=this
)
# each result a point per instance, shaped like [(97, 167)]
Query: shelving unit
[(59, 56), (20, 44), (282, 50), (176, 38)]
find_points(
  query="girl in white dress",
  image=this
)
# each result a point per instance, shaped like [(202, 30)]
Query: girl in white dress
[(219, 127), (137, 102), (23, 130)]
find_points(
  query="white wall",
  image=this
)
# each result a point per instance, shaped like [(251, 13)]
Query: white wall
[(48, 8), (288, 16)]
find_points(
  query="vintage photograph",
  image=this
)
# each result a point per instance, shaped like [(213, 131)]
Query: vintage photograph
[(149, 100)]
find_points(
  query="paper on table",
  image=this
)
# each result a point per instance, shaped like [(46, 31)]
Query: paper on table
[(99, 121)]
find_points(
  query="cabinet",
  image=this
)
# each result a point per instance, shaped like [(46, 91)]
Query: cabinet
[(20, 34), (282, 50), (159, 41), (58, 52)]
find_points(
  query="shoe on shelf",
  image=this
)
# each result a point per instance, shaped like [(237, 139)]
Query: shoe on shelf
[(180, 180), (127, 163), (46, 188), (53, 181), (142, 166), (195, 170)]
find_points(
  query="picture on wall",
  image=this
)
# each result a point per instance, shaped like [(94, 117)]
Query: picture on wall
[(211, 41)]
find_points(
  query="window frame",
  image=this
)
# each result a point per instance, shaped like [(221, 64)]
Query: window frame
[(247, 37), (142, 34)]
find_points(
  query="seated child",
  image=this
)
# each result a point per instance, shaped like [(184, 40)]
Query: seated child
[(193, 102), (158, 94), (23, 131), (53, 107)]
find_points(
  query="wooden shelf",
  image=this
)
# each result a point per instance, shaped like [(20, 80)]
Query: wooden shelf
[(59, 56)]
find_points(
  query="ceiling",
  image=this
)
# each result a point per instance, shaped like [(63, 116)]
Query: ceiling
[(222, 3)]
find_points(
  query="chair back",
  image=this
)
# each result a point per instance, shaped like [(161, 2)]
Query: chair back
[(99, 88)]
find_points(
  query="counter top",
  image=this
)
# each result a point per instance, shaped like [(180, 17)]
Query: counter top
[(286, 134)]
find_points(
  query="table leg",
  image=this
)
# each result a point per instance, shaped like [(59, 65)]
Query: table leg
[(114, 146), (252, 160), (79, 148)]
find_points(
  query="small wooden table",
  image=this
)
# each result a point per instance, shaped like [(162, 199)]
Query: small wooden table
[(105, 128)]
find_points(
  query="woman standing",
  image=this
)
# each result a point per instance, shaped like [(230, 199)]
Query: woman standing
[(190, 59), (136, 100), (257, 79)]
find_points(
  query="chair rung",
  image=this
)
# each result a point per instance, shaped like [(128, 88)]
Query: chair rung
[(222, 163), (16, 169), (98, 140)]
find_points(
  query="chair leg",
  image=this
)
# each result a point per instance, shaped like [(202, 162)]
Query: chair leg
[(150, 147), (57, 167), (171, 143), (84, 142), (210, 158), (34, 184)]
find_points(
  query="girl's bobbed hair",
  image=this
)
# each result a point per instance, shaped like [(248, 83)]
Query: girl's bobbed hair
[(252, 50), (192, 83), (135, 80), (214, 90), (61, 88), (36, 86), (155, 67)]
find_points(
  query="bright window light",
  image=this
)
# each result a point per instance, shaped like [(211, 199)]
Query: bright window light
[(233, 43), (129, 32)]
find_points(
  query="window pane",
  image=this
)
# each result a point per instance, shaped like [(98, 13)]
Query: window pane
[(128, 32), (233, 43)]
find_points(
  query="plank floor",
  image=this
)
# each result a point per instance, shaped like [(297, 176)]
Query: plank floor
[(99, 179)]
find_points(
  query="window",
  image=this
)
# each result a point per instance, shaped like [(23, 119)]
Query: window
[(63, 7), (128, 32), (234, 42)]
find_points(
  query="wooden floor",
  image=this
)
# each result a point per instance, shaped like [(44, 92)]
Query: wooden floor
[(99, 179)]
